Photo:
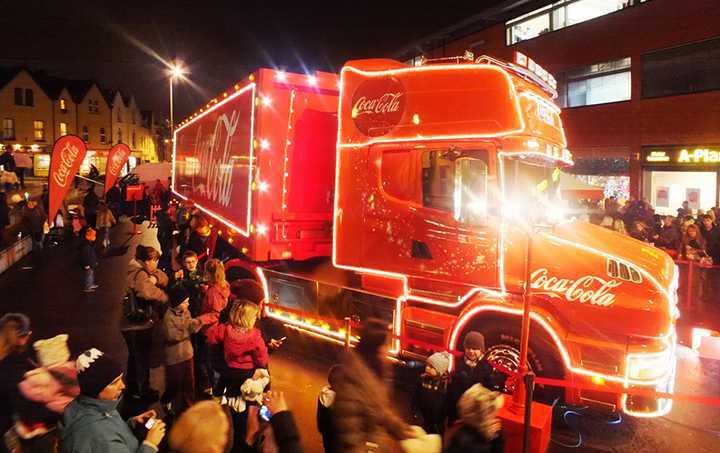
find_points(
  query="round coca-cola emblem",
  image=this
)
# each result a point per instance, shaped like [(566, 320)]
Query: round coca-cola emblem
[(377, 105)]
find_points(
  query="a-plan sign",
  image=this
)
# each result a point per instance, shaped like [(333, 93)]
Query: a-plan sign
[(690, 155)]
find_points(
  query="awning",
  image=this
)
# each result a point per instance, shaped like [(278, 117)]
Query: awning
[(575, 189)]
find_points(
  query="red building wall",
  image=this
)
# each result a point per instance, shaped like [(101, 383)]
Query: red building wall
[(622, 127)]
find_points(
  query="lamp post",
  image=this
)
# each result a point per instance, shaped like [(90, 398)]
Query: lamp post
[(176, 71)]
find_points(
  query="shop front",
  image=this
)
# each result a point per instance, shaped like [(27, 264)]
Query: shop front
[(674, 174)]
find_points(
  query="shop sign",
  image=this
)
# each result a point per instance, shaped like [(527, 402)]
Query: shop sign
[(687, 156)]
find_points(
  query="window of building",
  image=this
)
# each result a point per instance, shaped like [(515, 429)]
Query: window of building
[(63, 129), (119, 116), (559, 15), (85, 134), (63, 105), (19, 98), (29, 97), (455, 181), (133, 139), (39, 130), (119, 136), (8, 129), (598, 83), (103, 137), (686, 69)]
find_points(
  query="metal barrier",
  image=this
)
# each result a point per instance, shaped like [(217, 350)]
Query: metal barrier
[(14, 253), (698, 284)]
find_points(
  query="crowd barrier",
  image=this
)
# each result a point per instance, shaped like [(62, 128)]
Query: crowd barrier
[(14, 253), (698, 285)]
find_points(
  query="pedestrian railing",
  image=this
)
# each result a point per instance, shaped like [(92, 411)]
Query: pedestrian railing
[(14, 253)]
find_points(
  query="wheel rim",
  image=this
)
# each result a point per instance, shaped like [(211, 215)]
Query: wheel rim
[(505, 355)]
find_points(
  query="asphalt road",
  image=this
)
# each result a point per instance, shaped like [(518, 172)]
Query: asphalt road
[(51, 295)]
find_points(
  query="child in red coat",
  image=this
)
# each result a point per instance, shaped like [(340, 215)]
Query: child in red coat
[(243, 346)]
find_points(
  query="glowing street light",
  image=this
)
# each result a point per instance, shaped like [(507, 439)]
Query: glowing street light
[(176, 70)]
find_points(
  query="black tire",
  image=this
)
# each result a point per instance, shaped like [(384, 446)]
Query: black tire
[(502, 344)]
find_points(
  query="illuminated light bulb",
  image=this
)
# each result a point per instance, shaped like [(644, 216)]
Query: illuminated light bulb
[(266, 101), (263, 186), (533, 144), (207, 106), (415, 118), (251, 77), (312, 80), (244, 250), (252, 228), (281, 76), (354, 114), (597, 380), (230, 241), (264, 144), (220, 233), (261, 229), (237, 87), (225, 95)]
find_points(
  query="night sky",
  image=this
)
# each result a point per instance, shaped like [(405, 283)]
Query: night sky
[(220, 41)]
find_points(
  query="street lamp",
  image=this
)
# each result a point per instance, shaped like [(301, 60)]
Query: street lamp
[(175, 71)]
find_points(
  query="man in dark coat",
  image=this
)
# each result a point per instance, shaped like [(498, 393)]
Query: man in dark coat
[(711, 234), (88, 259), (33, 218), (668, 237), (471, 369), (14, 363)]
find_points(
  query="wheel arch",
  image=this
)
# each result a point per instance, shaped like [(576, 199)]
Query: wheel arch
[(505, 314)]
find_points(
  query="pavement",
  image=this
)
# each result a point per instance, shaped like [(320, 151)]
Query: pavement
[(51, 295)]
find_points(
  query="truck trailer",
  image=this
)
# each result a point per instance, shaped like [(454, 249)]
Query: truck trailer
[(428, 196)]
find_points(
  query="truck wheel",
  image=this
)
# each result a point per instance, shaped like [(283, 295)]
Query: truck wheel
[(502, 344)]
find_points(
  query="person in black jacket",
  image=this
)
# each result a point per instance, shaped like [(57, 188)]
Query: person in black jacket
[(325, 414), (469, 370), (88, 259), (430, 398), (14, 363)]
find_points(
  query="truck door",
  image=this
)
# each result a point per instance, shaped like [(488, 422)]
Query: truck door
[(429, 219)]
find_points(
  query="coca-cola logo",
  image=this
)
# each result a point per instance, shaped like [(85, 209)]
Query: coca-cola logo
[(587, 289), (118, 160), (378, 105), (214, 154), (67, 157)]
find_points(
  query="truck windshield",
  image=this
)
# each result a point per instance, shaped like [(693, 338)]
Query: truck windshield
[(532, 191)]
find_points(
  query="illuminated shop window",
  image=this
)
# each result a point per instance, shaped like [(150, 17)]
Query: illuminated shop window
[(85, 134), (559, 15), (63, 105), (63, 129), (598, 83)]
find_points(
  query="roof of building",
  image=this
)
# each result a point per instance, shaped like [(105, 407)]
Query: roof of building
[(8, 73)]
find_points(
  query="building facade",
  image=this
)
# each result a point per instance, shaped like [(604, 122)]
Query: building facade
[(638, 83), (37, 109)]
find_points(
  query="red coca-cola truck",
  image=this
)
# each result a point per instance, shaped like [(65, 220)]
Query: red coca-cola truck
[(429, 197)]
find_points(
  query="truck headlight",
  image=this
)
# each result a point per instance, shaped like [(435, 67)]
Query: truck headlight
[(649, 367)]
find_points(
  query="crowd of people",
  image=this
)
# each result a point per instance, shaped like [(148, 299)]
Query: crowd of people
[(218, 393), (691, 238)]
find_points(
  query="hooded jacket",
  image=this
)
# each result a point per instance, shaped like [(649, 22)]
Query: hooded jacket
[(91, 425), (140, 281), (243, 350)]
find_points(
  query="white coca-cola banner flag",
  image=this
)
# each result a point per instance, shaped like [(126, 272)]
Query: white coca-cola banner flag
[(67, 155), (588, 289)]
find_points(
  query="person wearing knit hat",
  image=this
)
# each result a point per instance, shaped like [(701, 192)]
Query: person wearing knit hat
[(91, 422), (430, 397), (177, 327), (481, 428), (251, 290), (471, 369)]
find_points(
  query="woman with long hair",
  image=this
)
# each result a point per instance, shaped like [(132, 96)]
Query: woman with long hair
[(363, 411), (213, 305)]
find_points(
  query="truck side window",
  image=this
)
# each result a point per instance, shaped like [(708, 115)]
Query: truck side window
[(438, 180), (471, 176), (456, 182)]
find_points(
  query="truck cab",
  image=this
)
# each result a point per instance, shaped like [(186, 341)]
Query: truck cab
[(448, 196)]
